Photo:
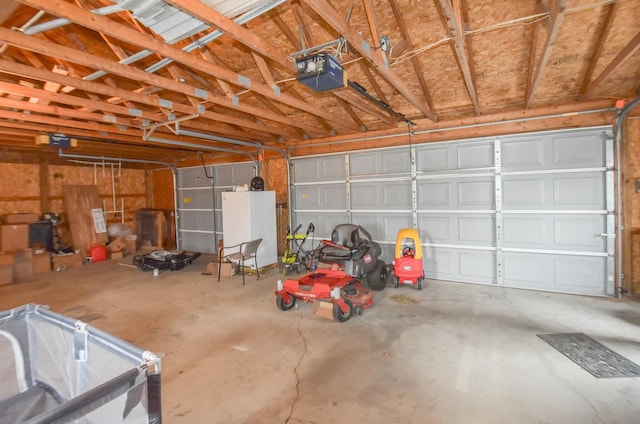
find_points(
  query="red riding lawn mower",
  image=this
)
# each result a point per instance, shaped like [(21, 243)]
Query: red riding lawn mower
[(344, 271)]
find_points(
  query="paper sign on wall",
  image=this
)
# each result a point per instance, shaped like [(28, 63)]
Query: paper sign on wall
[(99, 223)]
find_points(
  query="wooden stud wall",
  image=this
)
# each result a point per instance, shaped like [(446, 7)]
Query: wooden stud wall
[(24, 189), (631, 147)]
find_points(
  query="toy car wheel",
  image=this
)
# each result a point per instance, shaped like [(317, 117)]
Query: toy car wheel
[(377, 278), (420, 283), (396, 282), (338, 315), (283, 305)]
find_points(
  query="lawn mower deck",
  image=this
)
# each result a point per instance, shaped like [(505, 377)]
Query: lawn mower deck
[(345, 292)]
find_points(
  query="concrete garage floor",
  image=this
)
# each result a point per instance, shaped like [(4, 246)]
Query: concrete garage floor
[(452, 353)]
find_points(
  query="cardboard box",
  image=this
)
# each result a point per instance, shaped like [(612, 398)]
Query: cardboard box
[(41, 262), (21, 218), (6, 268), (227, 269), (130, 246), (117, 245), (14, 237), (62, 262), (323, 309), (23, 264), (117, 255)]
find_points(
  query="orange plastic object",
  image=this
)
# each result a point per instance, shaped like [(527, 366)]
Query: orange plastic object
[(98, 252)]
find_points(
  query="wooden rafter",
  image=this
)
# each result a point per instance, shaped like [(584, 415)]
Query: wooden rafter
[(556, 15), (372, 81), (66, 112), (121, 32), (31, 43), (329, 14), (230, 28), (305, 33), (114, 92), (347, 107), (404, 31), (284, 29), (452, 10), (367, 107), (370, 11), (227, 89), (87, 104), (624, 54)]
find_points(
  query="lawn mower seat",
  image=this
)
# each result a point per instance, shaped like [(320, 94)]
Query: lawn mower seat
[(344, 239)]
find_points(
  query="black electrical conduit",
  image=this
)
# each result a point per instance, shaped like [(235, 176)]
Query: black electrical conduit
[(620, 117)]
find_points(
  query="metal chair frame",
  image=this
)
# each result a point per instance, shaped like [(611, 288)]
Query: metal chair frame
[(246, 250)]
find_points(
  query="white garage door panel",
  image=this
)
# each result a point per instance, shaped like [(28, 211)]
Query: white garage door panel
[(434, 159), (475, 156), (531, 210), (198, 242), (379, 162), (192, 178), (388, 196), (553, 151), (196, 220), (566, 274), (229, 175), (383, 228), (320, 197), (459, 193), (199, 218), (576, 191), (590, 151), (460, 265), (195, 199), (313, 170), (463, 156), (555, 232), (584, 191), (324, 222), (458, 229)]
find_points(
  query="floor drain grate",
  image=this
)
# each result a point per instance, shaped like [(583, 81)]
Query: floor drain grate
[(591, 355)]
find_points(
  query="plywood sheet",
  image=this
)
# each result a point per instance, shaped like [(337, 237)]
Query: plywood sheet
[(80, 202)]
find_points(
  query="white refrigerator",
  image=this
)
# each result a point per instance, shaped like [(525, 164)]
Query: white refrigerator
[(250, 215)]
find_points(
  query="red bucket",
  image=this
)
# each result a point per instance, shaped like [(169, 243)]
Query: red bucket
[(98, 252)]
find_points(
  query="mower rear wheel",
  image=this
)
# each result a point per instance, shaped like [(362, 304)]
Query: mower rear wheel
[(377, 278), (338, 315), (138, 260), (283, 305)]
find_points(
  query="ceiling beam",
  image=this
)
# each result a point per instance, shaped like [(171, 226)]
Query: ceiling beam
[(67, 123), (610, 11), (406, 38), (121, 32), (356, 42), (624, 54), (153, 101), (239, 33), (32, 43), (370, 11), (556, 14), (452, 10)]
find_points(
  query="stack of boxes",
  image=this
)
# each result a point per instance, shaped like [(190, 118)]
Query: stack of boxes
[(19, 259)]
